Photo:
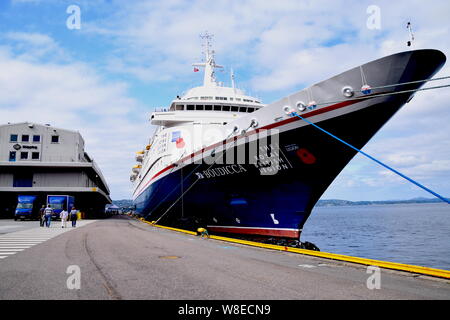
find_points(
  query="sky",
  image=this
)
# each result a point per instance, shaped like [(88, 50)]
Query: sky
[(104, 73)]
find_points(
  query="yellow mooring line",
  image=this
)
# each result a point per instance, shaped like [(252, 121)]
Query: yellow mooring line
[(370, 262)]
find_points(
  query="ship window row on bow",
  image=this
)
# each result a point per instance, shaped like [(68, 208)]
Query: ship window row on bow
[(210, 107)]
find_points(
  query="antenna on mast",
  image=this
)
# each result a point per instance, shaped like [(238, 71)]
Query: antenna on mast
[(408, 26), (209, 79), (232, 79)]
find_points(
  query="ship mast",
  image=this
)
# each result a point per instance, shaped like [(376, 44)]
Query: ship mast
[(209, 79)]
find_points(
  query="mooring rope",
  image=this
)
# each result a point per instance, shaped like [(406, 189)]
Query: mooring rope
[(383, 94), (373, 159), (406, 83), (349, 145), (176, 188)]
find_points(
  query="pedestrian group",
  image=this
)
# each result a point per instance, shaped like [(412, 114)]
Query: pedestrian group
[(46, 214)]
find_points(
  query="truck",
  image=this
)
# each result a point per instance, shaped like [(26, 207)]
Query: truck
[(60, 202), (27, 207)]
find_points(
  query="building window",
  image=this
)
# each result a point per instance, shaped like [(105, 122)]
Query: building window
[(12, 156), (24, 156), (13, 138), (25, 138), (23, 180), (55, 139), (35, 155), (36, 138)]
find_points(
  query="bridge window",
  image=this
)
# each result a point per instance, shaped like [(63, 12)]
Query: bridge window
[(250, 109), (217, 108), (208, 107), (225, 108), (242, 109), (179, 107), (190, 107), (199, 107)]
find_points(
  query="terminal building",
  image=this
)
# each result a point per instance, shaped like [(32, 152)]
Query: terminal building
[(42, 160)]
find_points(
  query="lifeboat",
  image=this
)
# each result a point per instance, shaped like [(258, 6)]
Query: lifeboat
[(136, 168), (139, 156)]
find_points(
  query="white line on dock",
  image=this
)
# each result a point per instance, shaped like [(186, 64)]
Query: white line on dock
[(17, 241)]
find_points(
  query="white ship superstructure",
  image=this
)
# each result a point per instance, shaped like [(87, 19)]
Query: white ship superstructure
[(202, 112)]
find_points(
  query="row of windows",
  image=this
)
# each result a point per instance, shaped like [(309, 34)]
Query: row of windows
[(26, 138), (24, 155), (223, 98), (200, 107)]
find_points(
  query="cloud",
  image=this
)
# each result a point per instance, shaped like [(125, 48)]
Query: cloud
[(74, 96)]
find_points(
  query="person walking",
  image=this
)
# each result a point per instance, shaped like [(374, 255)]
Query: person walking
[(74, 216), (63, 215), (48, 215), (42, 215)]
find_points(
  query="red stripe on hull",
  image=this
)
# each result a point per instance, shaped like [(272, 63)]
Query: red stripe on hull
[(295, 234), (269, 126)]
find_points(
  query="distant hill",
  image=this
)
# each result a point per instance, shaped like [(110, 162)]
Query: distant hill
[(337, 202), (125, 203)]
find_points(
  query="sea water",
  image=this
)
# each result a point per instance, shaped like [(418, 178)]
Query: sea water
[(417, 234)]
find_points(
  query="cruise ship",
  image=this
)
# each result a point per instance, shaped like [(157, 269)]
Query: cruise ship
[(224, 160)]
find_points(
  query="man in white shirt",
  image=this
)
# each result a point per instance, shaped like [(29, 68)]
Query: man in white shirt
[(63, 215), (48, 215)]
